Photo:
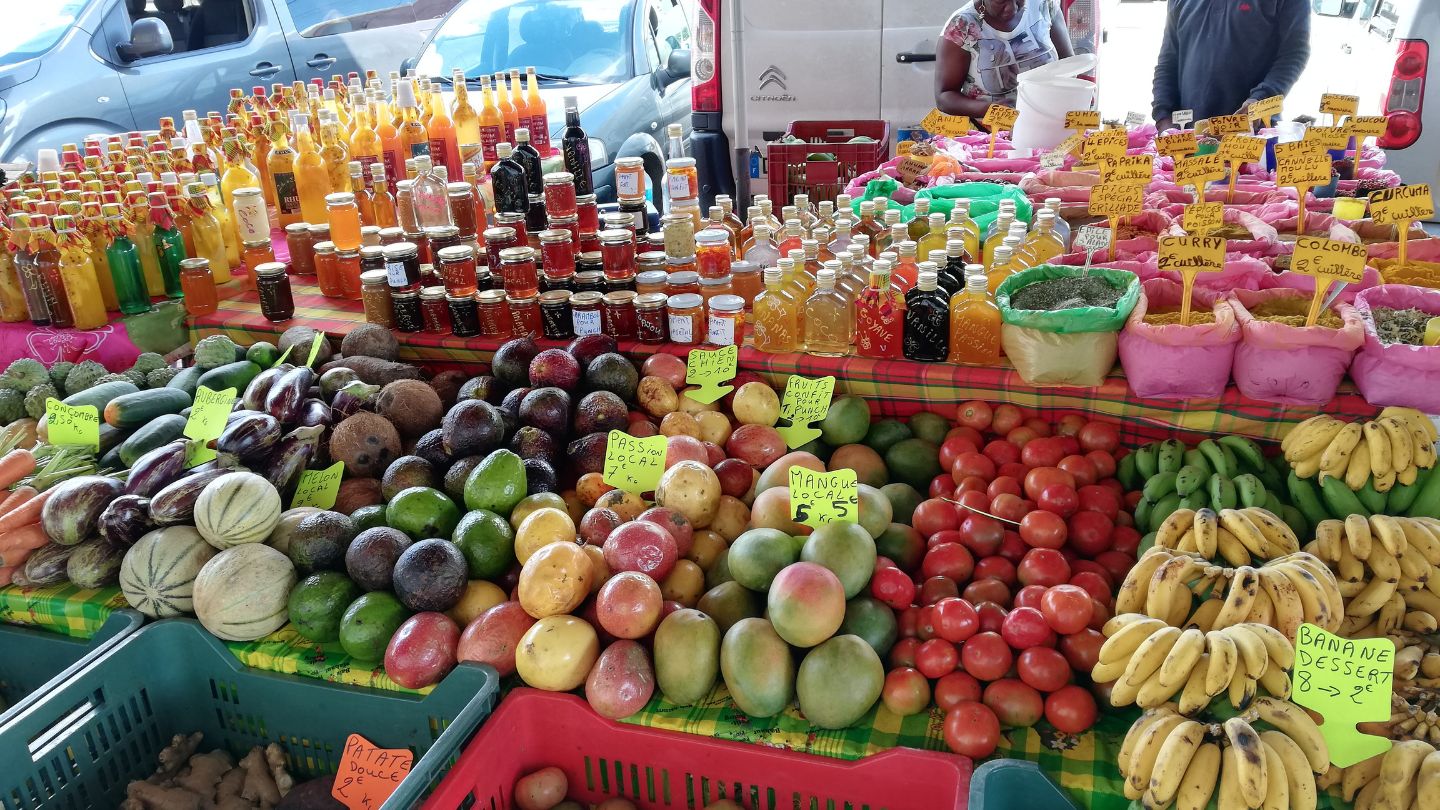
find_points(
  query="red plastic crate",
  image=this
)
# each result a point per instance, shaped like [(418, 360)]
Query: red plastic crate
[(790, 173), (665, 769)]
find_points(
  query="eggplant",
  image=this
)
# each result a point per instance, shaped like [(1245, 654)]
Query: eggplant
[(72, 508), (125, 519), (294, 454), (95, 563), (176, 502), (152, 471), (352, 398), (315, 412), (46, 565), (288, 393), (249, 436), (336, 378), (255, 392)]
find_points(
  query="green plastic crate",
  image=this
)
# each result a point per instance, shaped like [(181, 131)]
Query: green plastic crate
[(1007, 783), (78, 746), (35, 656)]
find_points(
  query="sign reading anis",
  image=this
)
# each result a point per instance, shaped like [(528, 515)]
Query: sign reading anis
[(773, 86)]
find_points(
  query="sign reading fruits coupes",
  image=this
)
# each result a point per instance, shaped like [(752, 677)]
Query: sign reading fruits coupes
[(711, 370), (806, 401), (632, 463), (817, 498), (1348, 681)]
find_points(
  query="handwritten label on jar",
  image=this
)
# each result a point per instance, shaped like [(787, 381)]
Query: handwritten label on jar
[(72, 426), (806, 400), (679, 186), (395, 274), (681, 329), (585, 323), (720, 330), (711, 370), (628, 184), (632, 463), (818, 498), (1402, 204)]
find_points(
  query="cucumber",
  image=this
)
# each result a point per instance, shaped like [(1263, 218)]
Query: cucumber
[(100, 395), (134, 410), (111, 460), (235, 375), (147, 437), (186, 380), (111, 437)]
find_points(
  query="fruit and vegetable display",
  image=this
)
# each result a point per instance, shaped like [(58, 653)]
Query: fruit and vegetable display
[(185, 778)]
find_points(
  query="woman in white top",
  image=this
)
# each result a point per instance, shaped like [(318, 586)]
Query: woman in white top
[(987, 44)]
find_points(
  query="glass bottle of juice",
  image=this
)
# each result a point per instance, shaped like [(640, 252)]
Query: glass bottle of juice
[(776, 326), (529, 157), (22, 247), (1001, 269), (1043, 244), (867, 226), (139, 212), (90, 227), (1062, 228), (222, 213), (382, 202), (934, 236), (444, 141), (957, 259), (405, 207), (82, 288), (814, 261), (517, 100), (391, 151), (282, 176), (804, 212), (491, 122), (840, 238), (12, 293), (949, 282), (362, 196), (365, 145), (996, 235), (209, 237), (961, 226), (575, 149), (854, 276), (412, 137), (508, 114), (47, 260), (906, 270), (821, 237), (927, 320), (794, 233), (800, 282), (429, 196), (124, 260), (920, 223), (762, 252), (827, 317), (465, 120), (337, 157), (879, 315), (169, 246), (974, 324), (181, 211), (747, 231), (312, 178), (539, 123), (728, 206)]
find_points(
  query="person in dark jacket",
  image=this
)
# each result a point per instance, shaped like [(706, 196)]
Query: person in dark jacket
[(1220, 56)]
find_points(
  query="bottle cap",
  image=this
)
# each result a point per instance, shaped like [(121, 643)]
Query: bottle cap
[(977, 282), (938, 256), (504, 150), (927, 280), (773, 275), (881, 265)]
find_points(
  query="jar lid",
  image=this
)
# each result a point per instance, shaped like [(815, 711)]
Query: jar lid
[(372, 252), (441, 231), (325, 247), (374, 277), (588, 298), (457, 299), (715, 281), (630, 162), (406, 295), (340, 198), (651, 258), (248, 244), (743, 266), (680, 261), (498, 234), (585, 199), (589, 277), (197, 263), (683, 277), (727, 303), (653, 300), (490, 296), (251, 191), (674, 217), (554, 297), (509, 216), (319, 227), (616, 235), (620, 298), (366, 230), (455, 253), (523, 300), (391, 233), (680, 163), (712, 236), (516, 254), (401, 250), (651, 277), (297, 228), (568, 219), (590, 257), (270, 269), (432, 293), (459, 189), (558, 178), (553, 235), (348, 254), (685, 301)]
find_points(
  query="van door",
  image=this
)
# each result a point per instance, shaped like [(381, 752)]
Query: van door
[(217, 45), (328, 37), (907, 63), (665, 29)]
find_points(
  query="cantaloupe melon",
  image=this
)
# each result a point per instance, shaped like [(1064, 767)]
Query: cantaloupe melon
[(158, 573), (243, 593), (236, 509)]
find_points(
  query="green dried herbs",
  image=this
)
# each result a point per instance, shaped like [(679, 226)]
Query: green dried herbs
[(1400, 325), (1066, 293)]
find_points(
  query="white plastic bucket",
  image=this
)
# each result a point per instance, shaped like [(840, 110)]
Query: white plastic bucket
[(1042, 106)]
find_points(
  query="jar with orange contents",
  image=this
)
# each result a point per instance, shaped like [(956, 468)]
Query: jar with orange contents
[(255, 254), (557, 252), (344, 217), (589, 241), (559, 193), (525, 318), (712, 253), (198, 284), (569, 224), (617, 254), (496, 240), (517, 267), (682, 282), (617, 314), (585, 313), (711, 287), (506, 219), (492, 313), (745, 281), (327, 271), (375, 296), (457, 269), (587, 210), (725, 324), (650, 326), (651, 281), (685, 318), (434, 312), (302, 257), (347, 266)]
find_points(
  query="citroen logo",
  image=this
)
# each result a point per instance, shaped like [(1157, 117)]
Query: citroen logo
[(772, 75)]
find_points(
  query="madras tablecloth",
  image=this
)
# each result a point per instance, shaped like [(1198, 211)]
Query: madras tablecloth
[(65, 609), (286, 651)]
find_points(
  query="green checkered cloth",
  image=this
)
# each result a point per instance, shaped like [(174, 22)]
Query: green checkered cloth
[(64, 609), (286, 651)]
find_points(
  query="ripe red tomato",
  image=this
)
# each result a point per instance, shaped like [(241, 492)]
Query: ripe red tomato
[(1015, 703), (954, 447), (1066, 608), (1002, 452), (1132, 498), (1060, 499), (936, 657), (1040, 426), (1041, 529), (972, 463), (893, 587), (986, 656), (955, 620), (941, 486), (980, 533), (951, 560), (1094, 582), (1090, 533), (925, 623), (987, 589), (1082, 649), (1029, 596), (1099, 614), (972, 498), (1014, 469), (903, 653), (906, 621), (1042, 452), (1125, 538), (1021, 436), (1096, 498), (956, 688), (1004, 485), (1070, 709), (1007, 506), (996, 567), (975, 414), (1103, 461), (972, 730), (1118, 563), (992, 616), (1116, 488), (934, 515), (1012, 547), (1069, 444), (936, 588), (1007, 417), (1025, 627), (1070, 424), (906, 691), (1043, 566), (1099, 436), (1080, 467), (939, 538), (1043, 668)]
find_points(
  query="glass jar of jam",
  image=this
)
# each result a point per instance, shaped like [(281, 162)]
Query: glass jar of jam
[(407, 310), (585, 313), (685, 264), (485, 280), (344, 217), (685, 317), (464, 315), (251, 220), (327, 274), (277, 303), (347, 266), (650, 324), (656, 240), (319, 232), (589, 241), (591, 281), (618, 284), (711, 287), (198, 284), (457, 269), (440, 237), (535, 220), (638, 217), (390, 236), (555, 319), (372, 257), (630, 179), (611, 220), (589, 261), (557, 252), (254, 254), (745, 281), (434, 311), (524, 315), (493, 314), (370, 236), (375, 297), (402, 266), (507, 219), (462, 209), (517, 268), (712, 253), (650, 281), (496, 240), (725, 324), (649, 260), (684, 281), (297, 241), (588, 210), (570, 224), (617, 254), (679, 232), (682, 180), (560, 194)]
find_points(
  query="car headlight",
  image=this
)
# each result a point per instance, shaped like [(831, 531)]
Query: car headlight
[(599, 155)]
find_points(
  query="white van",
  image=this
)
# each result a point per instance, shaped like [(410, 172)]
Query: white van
[(757, 66)]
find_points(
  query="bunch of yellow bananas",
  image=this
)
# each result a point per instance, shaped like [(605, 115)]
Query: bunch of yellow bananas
[(1169, 759), (1390, 450), (1406, 776), (1386, 568), (1233, 534)]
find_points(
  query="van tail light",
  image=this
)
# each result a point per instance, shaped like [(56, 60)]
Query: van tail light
[(705, 67), (1405, 101)]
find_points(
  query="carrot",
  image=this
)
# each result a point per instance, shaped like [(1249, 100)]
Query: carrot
[(7, 575), (19, 496), (15, 465), (26, 513), (20, 542)]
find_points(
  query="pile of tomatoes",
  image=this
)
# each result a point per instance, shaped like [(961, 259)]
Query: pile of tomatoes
[(1025, 541)]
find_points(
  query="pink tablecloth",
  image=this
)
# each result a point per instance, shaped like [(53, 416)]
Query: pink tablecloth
[(114, 345)]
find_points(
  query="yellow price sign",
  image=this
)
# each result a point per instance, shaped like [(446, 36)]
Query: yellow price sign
[(318, 488), (1000, 117), (1082, 119), (903, 147), (1339, 105), (1199, 169), (1348, 681), (1301, 165), (1070, 144), (939, 123), (1221, 125), (72, 425), (1402, 204), (1332, 258), (208, 415), (1201, 218), (1130, 169), (1189, 256), (1329, 138), (1106, 145), (711, 370), (1367, 126), (818, 498), (1177, 144), (1116, 199), (1267, 108), (806, 401), (632, 463), (1242, 149)]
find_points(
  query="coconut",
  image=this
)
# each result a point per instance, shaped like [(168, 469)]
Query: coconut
[(366, 443), (413, 406)]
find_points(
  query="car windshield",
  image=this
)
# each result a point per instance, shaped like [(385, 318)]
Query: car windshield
[(582, 41), (31, 30)]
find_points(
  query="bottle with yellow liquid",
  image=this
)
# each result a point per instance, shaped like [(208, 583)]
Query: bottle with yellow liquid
[(934, 236), (222, 213), (492, 123), (382, 202), (920, 224), (1062, 228), (391, 156), (1043, 244), (828, 317), (777, 328), (507, 110), (1002, 268), (282, 175), (974, 323), (539, 124), (94, 236), (413, 140), (466, 122), (208, 235), (444, 144), (337, 159), (996, 235), (1018, 234), (144, 236), (312, 177), (77, 270)]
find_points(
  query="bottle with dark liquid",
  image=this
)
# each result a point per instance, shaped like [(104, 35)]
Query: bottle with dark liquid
[(508, 179), (575, 146), (927, 320), (529, 157)]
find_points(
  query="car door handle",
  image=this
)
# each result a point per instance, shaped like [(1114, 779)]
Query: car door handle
[(265, 69), (908, 57), (321, 61)]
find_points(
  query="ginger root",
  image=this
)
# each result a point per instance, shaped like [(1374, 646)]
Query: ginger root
[(177, 753), (259, 784), (155, 797), (204, 772), (212, 781), (275, 758)]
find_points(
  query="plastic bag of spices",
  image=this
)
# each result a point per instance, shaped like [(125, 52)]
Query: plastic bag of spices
[(1389, 372), (1059, 324), (1279, 359), (1165, 359), (1244, 232)]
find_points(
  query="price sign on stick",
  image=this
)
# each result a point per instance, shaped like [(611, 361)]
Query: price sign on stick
[(1201, 218), (1092, 239), (1182, 118), (1347, 681), (1082, 119), (1197, 171), (817, 498), (318, 488), (1266, 108), (1367, 126), (632, 463), (1301, 165), (1401, 206), (207, 421), (1338, 106), (1327, 260), (1106, 146), (1237, 150), (711, 370), (1131, 169), (1222, 125), (1189, 256), (1177, 144), (806, 401), (939, 123), (72, 426), (1329, 138), (1116, 200), (369, 775), (999, 117)]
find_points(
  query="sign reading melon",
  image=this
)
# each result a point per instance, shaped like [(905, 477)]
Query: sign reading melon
[(817, 498), (711, 370), (1348, 681), (318, 488), (806, 401), (367, 774), (207, 421), (939, 123), (632, 463), (72, 426)]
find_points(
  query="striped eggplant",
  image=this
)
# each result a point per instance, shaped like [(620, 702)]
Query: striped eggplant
[(287, 394), (176, 502), (352, 398), (336, 378), (294, 454), (125, 519), (95, 563), (152, 471), (315, 412), (255, 392), (69, 514), (46, 565), (250, 436)]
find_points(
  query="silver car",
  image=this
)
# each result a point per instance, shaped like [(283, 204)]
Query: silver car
[(71, 68)]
